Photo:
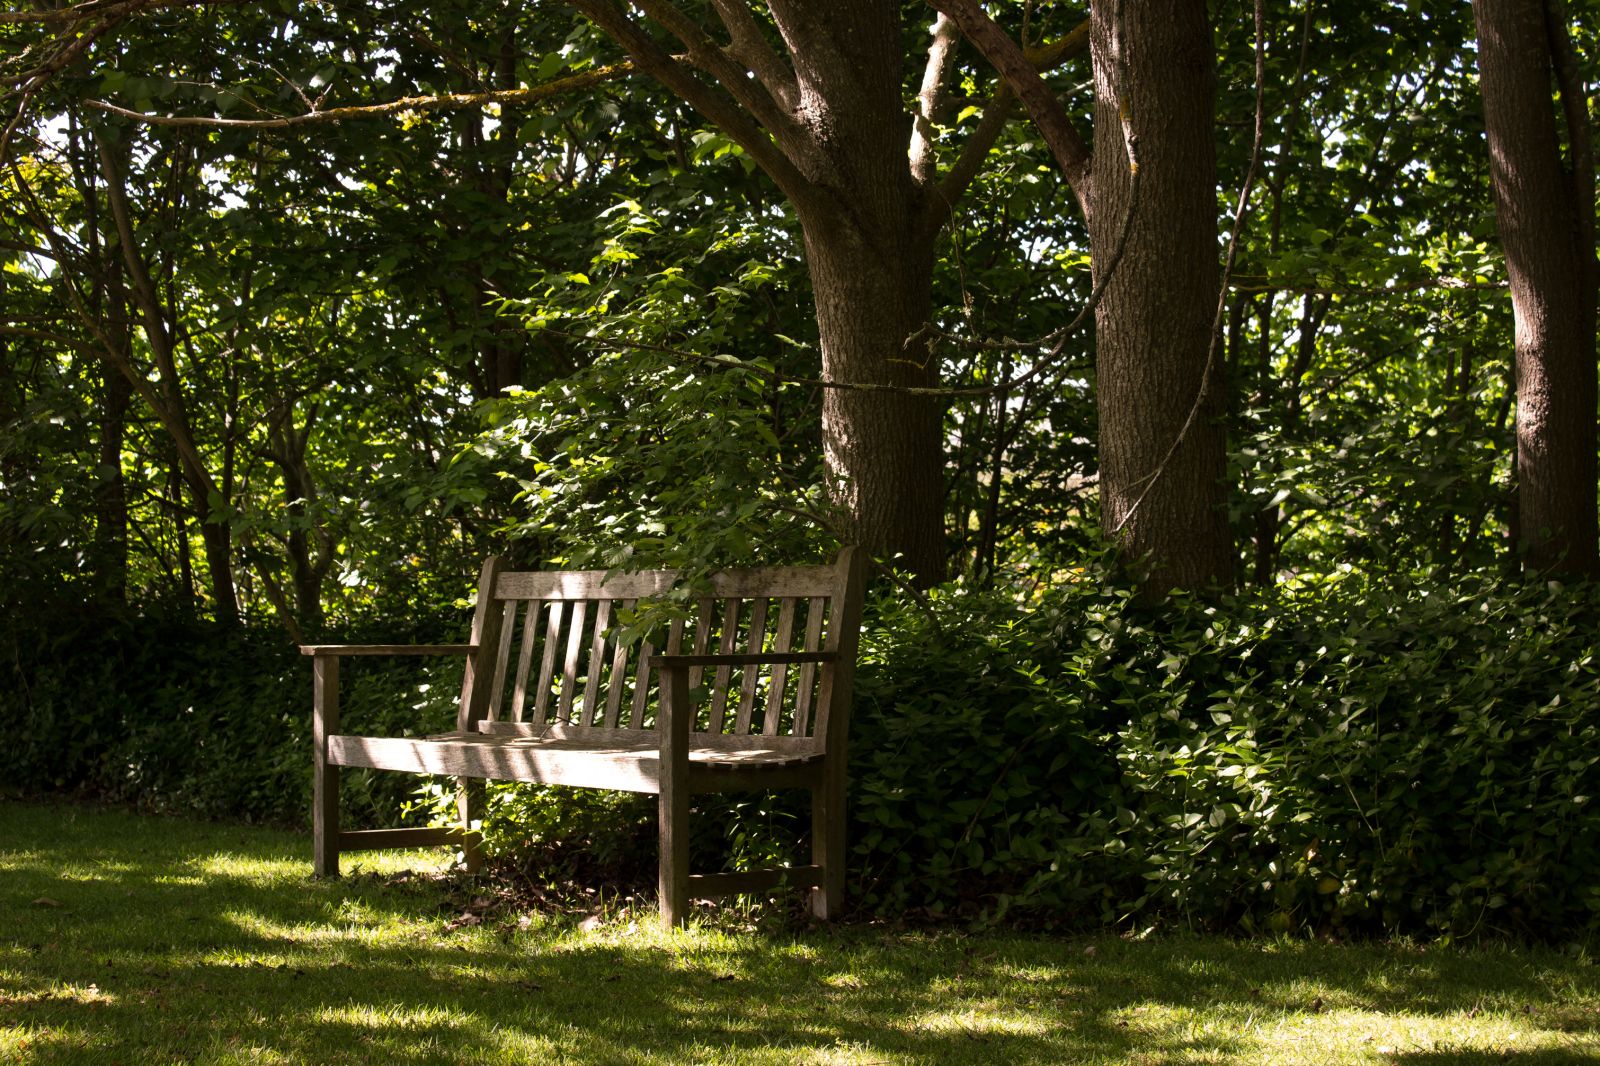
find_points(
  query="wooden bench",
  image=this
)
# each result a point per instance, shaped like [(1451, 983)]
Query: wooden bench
[(552, 696)]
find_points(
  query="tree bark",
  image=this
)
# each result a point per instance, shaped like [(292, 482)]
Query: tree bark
[(870, 255), (1545, 216), (1156, 380), (882, 450)]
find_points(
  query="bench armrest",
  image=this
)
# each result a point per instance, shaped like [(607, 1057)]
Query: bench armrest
[(330, 650), (776, 658)]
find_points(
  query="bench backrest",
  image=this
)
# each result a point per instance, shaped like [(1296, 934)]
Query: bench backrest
[(549, 661)]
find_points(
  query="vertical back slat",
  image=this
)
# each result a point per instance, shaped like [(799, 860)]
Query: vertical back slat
[(730, 640), (502, 657), (781, 642), (619, 674), (530, 637), (751, 674), (569, 671), (547, 665), (597, 660), (702, 637), (641, 685), (808, 671)]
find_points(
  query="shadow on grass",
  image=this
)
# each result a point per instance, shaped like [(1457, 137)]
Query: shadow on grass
[(161, 940)]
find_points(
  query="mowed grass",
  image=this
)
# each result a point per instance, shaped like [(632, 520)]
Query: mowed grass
[(133, 939)]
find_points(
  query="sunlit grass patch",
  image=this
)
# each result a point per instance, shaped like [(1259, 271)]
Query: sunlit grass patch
[(153, 940)]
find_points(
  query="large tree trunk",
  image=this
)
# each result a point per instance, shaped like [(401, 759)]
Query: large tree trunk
[(870, 256), (1546, 221), (827, 120), (1162, 506), (882, 449)]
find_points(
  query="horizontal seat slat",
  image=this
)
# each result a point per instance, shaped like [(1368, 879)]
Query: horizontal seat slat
[(387, 649), (649, 737), (628, 766)]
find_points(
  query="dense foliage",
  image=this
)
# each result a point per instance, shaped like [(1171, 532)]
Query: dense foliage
[(1344, 755), (265, 386)]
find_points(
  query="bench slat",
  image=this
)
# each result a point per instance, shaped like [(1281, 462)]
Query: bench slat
[(781, 642), (547, 665), (808, 672), (502, 658), (628, 767), (750, 675), (597, 659), (619, 675), (530, 637), (719, 687), (641, 685), (569, 669), (702, 637)]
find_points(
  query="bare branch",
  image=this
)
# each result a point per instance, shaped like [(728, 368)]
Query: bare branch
[(750, 47), (445, 102), (940, 52), (995, 116), (1007, 57), (654, 60), (752, 94)]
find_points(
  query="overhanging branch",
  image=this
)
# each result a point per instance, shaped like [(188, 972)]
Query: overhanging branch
[(445, 102)]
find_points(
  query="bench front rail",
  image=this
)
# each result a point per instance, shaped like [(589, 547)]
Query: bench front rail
[(750, 692)]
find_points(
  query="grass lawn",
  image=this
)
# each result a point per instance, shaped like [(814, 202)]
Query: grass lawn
[(135, 939)]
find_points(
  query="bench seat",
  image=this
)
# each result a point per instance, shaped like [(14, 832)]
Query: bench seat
[(622, 763)]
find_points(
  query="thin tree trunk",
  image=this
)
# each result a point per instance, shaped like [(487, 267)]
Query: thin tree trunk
[(110, 493), (1545, 215)]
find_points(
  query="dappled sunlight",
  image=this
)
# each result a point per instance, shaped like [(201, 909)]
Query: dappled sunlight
[(979, 1021), (231, 955), (372, 1016)]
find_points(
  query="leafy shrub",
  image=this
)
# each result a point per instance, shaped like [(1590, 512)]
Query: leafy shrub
[(174, 713), (1355, 754)]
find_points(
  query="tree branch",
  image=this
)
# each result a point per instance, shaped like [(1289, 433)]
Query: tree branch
[(940, 52), (995, 116), (1574, 106), (709, 56), (1007, 57), (654, 60), (445, 102), (750, 47)]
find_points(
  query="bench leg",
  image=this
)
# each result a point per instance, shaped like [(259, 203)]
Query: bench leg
[(325, 822), (469, 805), (827, 848), (673, 813), (672, 801), (324, 778)]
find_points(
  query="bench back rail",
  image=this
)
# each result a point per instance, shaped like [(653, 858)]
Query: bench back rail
[(552, 659)]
